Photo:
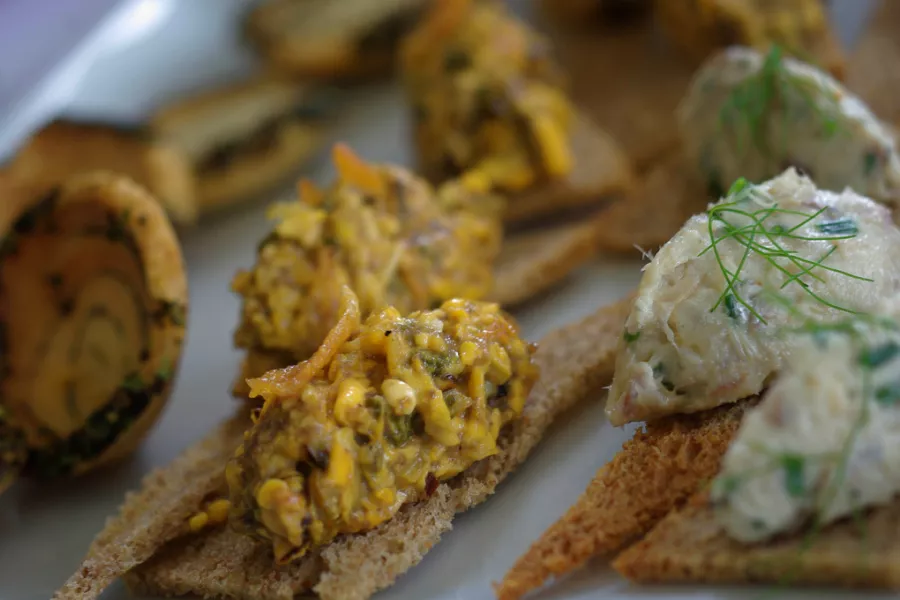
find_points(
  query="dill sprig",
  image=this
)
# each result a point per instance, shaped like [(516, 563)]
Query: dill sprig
[(753, 101), (757, 237)]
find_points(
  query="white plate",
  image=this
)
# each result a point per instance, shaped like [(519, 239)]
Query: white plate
[(163, 48)]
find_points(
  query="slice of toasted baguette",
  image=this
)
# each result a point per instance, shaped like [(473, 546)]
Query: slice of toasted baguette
[(690, 546), (600, 170), (64, 148), (874, 67), (668, 195), (575, 361), (658, 469), (158, 512)]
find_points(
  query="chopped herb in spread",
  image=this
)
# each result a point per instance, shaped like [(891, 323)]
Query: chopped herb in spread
[(368, 230), (492, 99), (753, 115), (390, 425)]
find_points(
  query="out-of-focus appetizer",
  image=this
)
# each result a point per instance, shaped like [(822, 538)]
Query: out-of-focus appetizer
[(579, 11), (873, 71), (244, 139), (752, 115), (65, 148), (801, 27), (332, 40), (363, 425), (379, 229), (714, 322), (345, 440), (92, 321), (488, 105)]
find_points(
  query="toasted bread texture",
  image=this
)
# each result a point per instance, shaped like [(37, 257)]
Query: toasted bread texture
[(873, 72), (575, 361), (533, 262), (656, 471), (157, 513), (600, 170), (690, 546), (667, 196)]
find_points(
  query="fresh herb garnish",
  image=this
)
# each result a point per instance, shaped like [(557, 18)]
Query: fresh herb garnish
[(763, 239), (753, 101), (873, 358), (793, 474), (888, 394)]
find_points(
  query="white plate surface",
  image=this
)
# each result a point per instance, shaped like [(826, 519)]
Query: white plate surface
[(171, 47)]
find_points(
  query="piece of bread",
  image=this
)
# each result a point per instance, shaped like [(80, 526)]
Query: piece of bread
[(64, 148), (667, 195), (662, 466), (626, 80), (246, 138), (690, 546), (575, 361), (157, 513), (331, 40), (873, 71), (600, 170), (532, 262)]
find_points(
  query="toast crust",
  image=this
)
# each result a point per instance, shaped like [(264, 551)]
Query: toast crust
[(690, 546), (656, 471), (575, 361)]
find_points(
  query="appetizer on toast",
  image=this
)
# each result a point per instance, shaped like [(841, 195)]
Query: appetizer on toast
[(148, 541), (488, 104), (720, 313), (92, 321)]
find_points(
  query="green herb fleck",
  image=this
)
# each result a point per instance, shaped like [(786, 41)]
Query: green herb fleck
[(793, 475), (876, 357), (870, 161), (631, 337), (133, 383), (845, 226), (889, 394)]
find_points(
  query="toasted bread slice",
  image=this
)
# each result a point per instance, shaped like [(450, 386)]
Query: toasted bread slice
[(627, 80), (246, 138), (874, 67), (533, 262), (657, 470), (668, 195), (600, 170), (575, 361), (158, 512), (690, 546), (65, 148), (331, 40)]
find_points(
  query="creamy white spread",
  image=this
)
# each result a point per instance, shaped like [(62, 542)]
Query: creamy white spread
[(793, 252), (825, 440), (752, 115)]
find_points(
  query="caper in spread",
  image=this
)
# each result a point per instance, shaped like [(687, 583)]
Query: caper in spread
[(381, 414), (379, 229), (487, 97)]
